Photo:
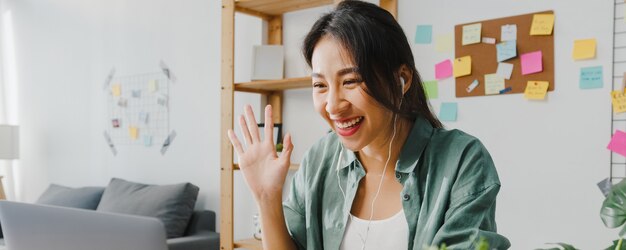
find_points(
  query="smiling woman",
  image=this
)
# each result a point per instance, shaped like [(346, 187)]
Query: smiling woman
[(389, 176)]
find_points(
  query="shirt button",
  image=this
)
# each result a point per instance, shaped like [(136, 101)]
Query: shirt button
[(406, 197)]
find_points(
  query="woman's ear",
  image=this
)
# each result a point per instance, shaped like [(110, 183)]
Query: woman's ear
[(407, 75)]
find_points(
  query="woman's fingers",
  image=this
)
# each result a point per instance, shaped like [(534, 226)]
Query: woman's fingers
[(252, 124), (244, 130), (285, 156), (235, 142), (269, 124)]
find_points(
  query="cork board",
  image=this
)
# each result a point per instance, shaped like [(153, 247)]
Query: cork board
[(484, 55)]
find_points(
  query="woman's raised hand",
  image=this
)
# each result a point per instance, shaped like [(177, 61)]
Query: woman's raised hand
[(263, 170)]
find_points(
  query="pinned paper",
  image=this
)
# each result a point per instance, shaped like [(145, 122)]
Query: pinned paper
[(147, 140), (108, 140), (462, 66), (143, 117), (443, 70), (162, 100), (153, 86), (489, 40), (618, 99), (505, 70), (506, 90), (167, 72), (584, 49), (618, 143), (471, 33), (493, 84), (168, 141), (536, 90), (432, 89), (444, 43), (122, 102), (115, 123), (116, 89), (472, 86), (506, 50), (542, 24), (508, 32), (133, 132), (531, 62), (423, 34), (135, 93), (591, 77), (448, 111)]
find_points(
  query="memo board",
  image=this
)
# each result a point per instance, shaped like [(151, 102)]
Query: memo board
[(484, 55)]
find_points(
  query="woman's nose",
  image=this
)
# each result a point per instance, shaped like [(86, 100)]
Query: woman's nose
[(335, 102)]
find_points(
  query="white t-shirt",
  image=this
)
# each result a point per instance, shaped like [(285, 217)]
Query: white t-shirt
[(390, 233)]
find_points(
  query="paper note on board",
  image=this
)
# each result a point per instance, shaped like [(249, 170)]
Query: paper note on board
[(508, 32), (448, 111), (591, 77), (493, 84), (432, 89), (542, 24), (116, 89), (489, 40), (471, 33), (618, 143), (618, 99), (532, 62), (505, 70), (444, 43), (423, 34), (584, 49), (536, 90), (133, 132), (462, 66), (506, 50), (147, 140), (443, 70), (153, 86)]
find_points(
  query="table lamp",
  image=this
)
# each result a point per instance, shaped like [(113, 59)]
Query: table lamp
[(9, 148)]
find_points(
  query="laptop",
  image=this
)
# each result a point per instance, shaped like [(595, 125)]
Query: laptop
[(36, 227)]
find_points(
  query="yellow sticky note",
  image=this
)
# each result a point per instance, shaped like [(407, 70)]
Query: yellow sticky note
[(471, 33), (444, 43), (618, 98), (536, 90), (153, 86), (542, 24), (584, 49), (116, 89), (134, 132), (463, 66)]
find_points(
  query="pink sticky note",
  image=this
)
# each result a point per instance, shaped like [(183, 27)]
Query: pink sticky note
[(443, 69), (531, 63), (618, 143)]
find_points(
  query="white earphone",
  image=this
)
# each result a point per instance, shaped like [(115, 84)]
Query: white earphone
[(402, 84)]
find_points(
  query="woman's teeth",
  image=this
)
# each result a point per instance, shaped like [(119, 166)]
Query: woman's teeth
[(344, 125)]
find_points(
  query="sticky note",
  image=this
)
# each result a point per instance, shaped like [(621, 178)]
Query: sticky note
[(423, 34), (542, 24), (462, 66), (133, 132), (618, 99), (471, 33), (115, 123), (432, 89), (122, 102), (444, 43), (135, 93), (147, 140), (443, 70), (506, 50), (591, 77), (508, 32), (448, 111), (116, 89), (472, 86), (584, 49), (143, 117), (618, 143), (493, 84), (489, 40), (505, 70), (153, 86), (531, 62), (536, 90)]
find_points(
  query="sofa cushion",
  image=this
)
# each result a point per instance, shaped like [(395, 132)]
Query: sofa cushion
[(172, 204), (84, 197)]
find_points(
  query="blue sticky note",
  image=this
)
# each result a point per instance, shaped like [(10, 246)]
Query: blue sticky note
[(448, 111), (506, 50), (147, 140), (591, 77), (424, 34)]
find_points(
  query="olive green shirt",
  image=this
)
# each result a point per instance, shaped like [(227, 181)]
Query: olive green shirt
[(449, 191)]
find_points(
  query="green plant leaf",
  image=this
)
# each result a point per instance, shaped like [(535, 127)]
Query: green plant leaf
[(613, 212), (482, 244), (615, 243), (563, 246)]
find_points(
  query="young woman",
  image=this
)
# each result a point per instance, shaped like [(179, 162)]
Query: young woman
[(388, 176)]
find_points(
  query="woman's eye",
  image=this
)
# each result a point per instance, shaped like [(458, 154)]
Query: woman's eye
[(351, 81), (318, 85)]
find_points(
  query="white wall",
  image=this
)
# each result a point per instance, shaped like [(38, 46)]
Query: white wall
[(549, 154)]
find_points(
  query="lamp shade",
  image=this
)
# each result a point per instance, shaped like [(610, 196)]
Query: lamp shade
[(9, 142)]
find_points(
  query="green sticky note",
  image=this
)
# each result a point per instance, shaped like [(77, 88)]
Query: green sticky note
[(424, 34), (448, 111), (591, 77), (432, 89)]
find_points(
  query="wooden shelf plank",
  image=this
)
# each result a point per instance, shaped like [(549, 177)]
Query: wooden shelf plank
[(278, 7), (274, 85), (249, 244), (291, 167)]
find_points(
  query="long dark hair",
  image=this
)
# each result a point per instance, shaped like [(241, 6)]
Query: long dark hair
[(379, 48)]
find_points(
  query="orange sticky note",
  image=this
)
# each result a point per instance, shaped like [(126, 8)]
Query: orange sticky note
[(584, 49), (542, 24), (536, 90), (463, 66), (134, 132), (116, 90), (618, 99)]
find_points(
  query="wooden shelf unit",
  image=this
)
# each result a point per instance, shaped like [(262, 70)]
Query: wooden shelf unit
[(271, 11)]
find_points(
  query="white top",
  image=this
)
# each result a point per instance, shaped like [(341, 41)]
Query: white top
[(390, 233)]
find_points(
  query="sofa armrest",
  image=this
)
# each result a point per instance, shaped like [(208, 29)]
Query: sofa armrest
[(206, 240), (201, 221)]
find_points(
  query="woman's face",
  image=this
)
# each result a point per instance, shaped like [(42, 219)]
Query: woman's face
[(339, 97)]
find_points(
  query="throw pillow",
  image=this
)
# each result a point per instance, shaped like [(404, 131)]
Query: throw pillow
[(84, 197), (172, 204)]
